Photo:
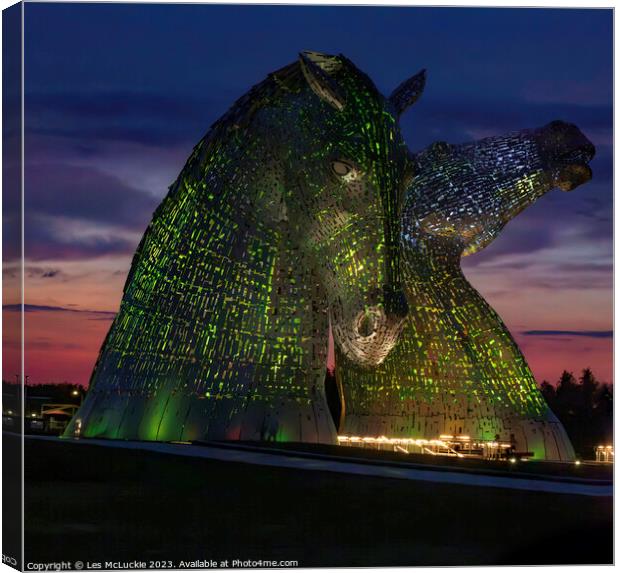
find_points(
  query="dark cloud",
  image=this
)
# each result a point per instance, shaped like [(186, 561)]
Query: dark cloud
[(59, 195), (45, 308), (455, 119), (106, 105), (164, 119), (540, 226), (85, 193), (42, 272), (560, 275), (42, 243), (584, 333), (517, 238), (141, 117), (46, 344)]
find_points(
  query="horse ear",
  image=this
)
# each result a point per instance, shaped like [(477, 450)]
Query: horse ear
[(407, 93), (316, 68)]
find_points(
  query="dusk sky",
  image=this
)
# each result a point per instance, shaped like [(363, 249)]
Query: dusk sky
[(117, 96)]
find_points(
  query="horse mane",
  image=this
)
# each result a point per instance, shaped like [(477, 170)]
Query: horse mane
[(286, 80), (277, 85), (282, 82)]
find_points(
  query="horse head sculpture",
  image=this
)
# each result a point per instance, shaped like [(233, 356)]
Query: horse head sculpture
[(456, 369), (469, 192), (285, 216), (344, 201)]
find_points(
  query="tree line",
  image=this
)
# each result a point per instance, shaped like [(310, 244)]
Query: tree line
[(585, 408)]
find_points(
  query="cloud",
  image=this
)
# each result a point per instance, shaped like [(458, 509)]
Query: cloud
[(569, 230), (568, 91), (33, 272), (85, 193), (46, 308), (61, 239), (75, 212), (465, 118), (145, 117), (523, 239), (45, 344), (584, 333)]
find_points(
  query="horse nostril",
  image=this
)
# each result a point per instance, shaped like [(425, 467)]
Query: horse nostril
[(368, 322), (590, 151), (395, 302)]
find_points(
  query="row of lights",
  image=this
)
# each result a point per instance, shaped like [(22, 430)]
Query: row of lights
[(385, 440), (34, 415), (10, 413), (441, 442)]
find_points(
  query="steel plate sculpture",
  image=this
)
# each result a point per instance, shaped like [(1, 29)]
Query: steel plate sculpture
[(301, 209), (456, 370), (284, 218)]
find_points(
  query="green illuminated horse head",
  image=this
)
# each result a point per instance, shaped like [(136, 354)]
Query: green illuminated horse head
[(285, 217), (344, 161)]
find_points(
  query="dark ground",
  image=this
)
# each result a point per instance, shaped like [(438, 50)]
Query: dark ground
[(92, 503)]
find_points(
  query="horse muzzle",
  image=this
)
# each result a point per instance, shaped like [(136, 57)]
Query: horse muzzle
[(568, 152)]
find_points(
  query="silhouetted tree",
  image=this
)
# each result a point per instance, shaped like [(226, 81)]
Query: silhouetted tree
[(605, 399), (589, 386), (585, 408), (604, 414), (548, 391), (567, 393)]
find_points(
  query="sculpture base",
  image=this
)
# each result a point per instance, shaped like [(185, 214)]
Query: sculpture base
[(536, 438)]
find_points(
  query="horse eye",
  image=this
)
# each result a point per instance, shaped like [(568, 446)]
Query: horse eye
[(341, 168)]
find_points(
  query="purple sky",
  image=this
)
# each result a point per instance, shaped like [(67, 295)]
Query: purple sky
[(117, 95)]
